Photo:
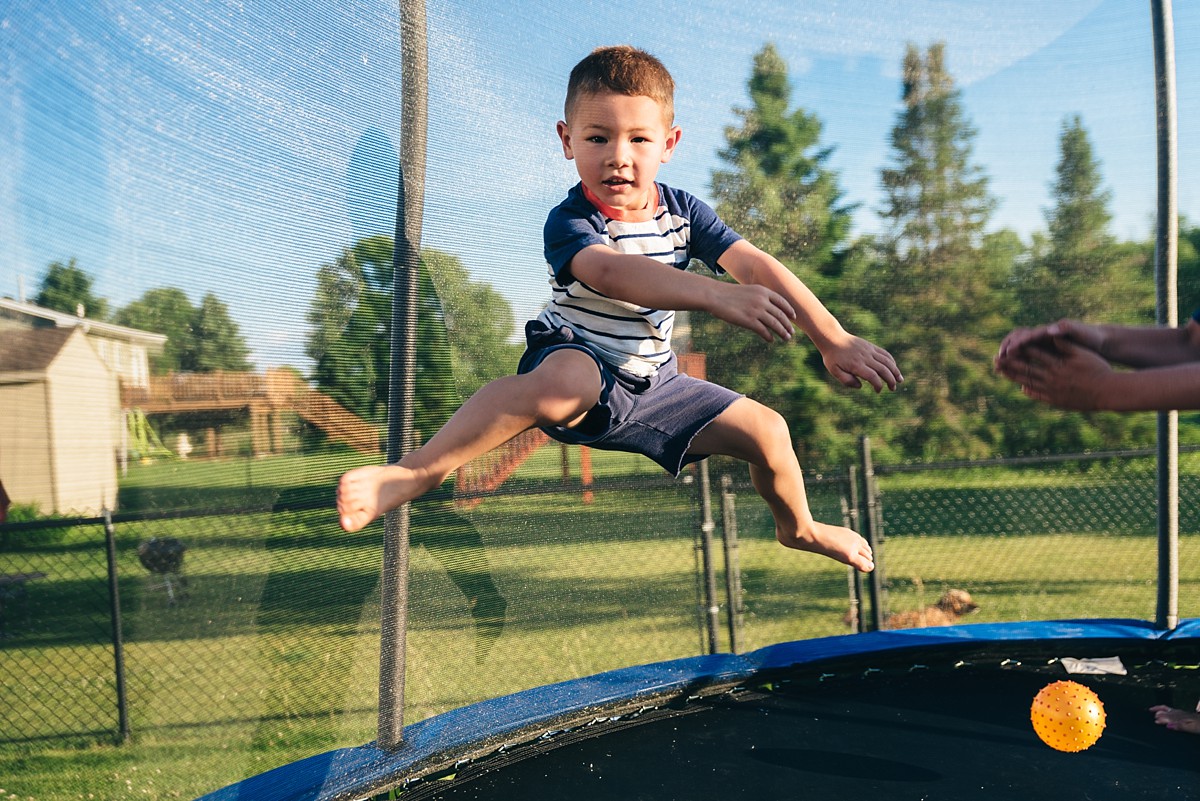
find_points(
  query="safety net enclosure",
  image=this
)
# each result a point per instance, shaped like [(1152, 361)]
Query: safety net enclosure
[(246, 247)]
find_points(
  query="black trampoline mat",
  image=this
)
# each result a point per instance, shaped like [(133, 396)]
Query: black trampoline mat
[(919, 733)]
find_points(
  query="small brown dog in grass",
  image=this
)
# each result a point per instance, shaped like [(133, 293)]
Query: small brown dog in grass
[(953, 605)]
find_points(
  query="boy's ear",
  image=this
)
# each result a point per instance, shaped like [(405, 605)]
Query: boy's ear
[(564, 136), (674, 134)]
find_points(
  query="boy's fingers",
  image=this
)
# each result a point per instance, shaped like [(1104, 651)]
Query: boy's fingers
[(890, 372)]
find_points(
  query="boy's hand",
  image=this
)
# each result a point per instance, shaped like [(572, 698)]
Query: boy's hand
[(852, 360), (755, 308)]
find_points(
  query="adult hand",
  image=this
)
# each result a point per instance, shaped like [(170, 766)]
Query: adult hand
[(1176, 719), (1059, 372), (1085, 334)]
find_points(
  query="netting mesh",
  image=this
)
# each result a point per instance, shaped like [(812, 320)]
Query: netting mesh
[(197, 213)]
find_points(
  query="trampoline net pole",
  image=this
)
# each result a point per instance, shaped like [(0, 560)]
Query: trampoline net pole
[(1166, 252), (733, 570), (402, 377)]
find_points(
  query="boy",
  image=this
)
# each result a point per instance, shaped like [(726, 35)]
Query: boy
[(599, 369)]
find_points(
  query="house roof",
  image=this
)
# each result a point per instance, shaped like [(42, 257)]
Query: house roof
[(95, 327), (31, 350)]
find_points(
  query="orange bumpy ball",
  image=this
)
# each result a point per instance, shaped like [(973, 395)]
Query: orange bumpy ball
[(1067, 716)]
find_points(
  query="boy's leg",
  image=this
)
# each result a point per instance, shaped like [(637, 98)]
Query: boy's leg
[(758, 435), (559, 391)]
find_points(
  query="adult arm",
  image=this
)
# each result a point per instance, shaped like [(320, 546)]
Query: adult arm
[(1132, 346), (1073, 377)]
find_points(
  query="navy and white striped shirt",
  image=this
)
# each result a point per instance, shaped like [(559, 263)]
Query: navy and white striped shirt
[(627, 336)]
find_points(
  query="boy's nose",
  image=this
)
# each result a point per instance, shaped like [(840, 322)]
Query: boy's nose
[(619, 154)]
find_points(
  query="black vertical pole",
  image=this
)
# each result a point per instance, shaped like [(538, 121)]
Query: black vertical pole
[(118, 639), (410, 204), (1166, 246), (856, 581), (733, 569), (712, 611), (874, 537)]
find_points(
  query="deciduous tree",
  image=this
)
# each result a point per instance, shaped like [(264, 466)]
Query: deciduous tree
[(67, 288)]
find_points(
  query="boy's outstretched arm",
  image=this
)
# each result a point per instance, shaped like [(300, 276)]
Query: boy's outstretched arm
[(767, 300), (850, 359), (642, 281)]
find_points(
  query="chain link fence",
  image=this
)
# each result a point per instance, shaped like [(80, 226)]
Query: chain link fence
[(265, 636)]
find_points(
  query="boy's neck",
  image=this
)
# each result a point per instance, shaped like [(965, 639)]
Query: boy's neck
[(644, 214)]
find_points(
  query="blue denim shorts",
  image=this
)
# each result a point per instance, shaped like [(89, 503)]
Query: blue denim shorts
[(657, 417)]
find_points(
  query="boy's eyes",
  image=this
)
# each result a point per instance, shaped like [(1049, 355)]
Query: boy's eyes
[(600, 140)]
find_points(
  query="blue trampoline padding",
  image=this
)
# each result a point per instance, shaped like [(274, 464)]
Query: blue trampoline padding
[(356, 772)]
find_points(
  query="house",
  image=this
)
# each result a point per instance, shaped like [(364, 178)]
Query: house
[(60, 424), (126, 351)]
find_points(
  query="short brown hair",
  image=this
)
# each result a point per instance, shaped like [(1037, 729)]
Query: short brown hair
[(623, 70)]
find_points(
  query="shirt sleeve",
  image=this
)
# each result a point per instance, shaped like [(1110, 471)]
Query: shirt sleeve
[(570, 227), (710, 236)]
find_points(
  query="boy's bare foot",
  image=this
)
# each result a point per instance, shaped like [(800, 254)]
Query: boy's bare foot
[(836, 542), (1177, 719), (365, 493)]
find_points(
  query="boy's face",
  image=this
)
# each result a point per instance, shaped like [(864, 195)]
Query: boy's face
[(618, 142)]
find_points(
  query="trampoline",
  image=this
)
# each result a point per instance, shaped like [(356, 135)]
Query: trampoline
[(923, 713)]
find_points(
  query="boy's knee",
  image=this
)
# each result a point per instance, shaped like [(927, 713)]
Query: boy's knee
[(565, 387), (774, 436), (772, 424)]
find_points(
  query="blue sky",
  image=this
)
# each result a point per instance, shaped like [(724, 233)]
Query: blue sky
[(235, 147)]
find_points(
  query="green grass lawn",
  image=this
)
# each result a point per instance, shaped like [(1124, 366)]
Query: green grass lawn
[(273, 655)]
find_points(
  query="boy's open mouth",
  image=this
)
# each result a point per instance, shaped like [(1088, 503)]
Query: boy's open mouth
[(617, 182)]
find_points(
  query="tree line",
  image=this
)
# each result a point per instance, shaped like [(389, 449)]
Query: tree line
[(200, 338), (936, 286)]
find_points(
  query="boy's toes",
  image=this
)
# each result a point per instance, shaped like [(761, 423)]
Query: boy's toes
[(353, 521)]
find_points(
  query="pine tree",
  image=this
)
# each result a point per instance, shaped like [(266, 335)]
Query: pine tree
[(939, 280), (1078, 270), (779, 194)]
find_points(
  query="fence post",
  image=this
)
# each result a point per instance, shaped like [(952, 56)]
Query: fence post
[(852, 522), (873, 536), (733, 570), (711, 610), (118, 641)]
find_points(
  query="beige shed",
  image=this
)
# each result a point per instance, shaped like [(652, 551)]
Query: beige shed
[(60, 421)]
